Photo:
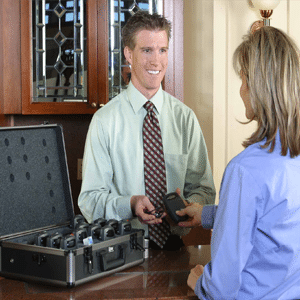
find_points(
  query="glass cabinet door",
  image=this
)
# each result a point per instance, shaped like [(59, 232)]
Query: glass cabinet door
[(59, 52), (119, 12), (59, 47), (60, 62), (66, 57), (71, 53)]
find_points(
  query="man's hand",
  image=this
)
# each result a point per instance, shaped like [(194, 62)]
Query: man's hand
[(194, 276), (194, 211), (141, 206)]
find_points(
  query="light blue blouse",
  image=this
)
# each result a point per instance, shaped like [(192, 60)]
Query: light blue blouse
[(256, 238), (113, 167)]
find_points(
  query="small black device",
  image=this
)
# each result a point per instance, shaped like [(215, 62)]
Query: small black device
[(155, 212), (69, 241), (174, 202), (100, 221), (114, 224), (95, 231), (107, 232), (77, 220), (124, 227), (54, 240), (41, 239), (83, 225), (80, 235)]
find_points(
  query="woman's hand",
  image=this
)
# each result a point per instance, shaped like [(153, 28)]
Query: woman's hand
[(194, 276), (194, 211)]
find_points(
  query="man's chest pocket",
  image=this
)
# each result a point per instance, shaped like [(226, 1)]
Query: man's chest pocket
[(176, 165)]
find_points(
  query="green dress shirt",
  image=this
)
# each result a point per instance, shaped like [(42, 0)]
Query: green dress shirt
[(113, 166)]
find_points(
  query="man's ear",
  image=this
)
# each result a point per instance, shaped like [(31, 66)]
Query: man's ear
[(128, 54)]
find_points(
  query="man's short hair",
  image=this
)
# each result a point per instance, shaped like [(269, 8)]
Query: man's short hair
[(144, 21)]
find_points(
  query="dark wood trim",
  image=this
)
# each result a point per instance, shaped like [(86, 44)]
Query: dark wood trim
[(92, 51), (10, 58), (5, 120), (173, 83), (50, 108), (102, 52), (1, 62), (26, 56)]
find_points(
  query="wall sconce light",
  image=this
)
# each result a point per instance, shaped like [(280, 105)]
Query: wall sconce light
[(266, 8)]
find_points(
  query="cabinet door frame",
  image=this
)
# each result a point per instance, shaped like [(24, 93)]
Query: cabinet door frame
[(96, 44), (10, 75)]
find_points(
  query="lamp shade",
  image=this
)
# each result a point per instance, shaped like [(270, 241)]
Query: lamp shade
[(265, 4)]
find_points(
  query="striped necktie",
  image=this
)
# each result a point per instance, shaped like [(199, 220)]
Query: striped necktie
[(155, 172)]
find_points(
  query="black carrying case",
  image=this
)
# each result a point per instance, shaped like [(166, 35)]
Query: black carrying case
[(40, 238)]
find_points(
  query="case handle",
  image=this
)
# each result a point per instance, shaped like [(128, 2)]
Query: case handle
[(106, 265)]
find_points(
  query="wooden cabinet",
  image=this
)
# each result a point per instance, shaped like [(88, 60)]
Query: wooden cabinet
[(96, 65), (16, 62), (17, 87)]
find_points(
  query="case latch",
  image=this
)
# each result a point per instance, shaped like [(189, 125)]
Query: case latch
[(134, 243), (88, 257), (39, 258)]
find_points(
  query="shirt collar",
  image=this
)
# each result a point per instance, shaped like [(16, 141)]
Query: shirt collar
[(137, 99), (277, 142)]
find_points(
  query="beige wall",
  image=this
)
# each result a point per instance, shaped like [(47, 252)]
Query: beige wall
[(212, 31), (198, 64)]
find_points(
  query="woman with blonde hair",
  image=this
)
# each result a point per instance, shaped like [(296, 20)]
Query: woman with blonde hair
[(256, 238)]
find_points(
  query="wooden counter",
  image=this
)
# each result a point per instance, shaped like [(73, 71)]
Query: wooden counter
[(162, 276)]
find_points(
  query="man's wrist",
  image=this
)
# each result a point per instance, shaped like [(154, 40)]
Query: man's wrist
[(132, 205)]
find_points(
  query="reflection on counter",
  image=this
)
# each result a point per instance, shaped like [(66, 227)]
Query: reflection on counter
[(162, 276)]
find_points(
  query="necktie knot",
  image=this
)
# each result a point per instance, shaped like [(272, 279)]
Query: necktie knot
[(149, 106)]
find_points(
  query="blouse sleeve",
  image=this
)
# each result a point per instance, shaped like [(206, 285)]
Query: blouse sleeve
[(208, 216), (232, 235)]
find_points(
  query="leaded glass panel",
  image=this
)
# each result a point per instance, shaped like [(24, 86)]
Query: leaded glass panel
[(59, 50)]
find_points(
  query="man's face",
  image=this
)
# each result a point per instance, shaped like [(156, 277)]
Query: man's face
[(149, 61)]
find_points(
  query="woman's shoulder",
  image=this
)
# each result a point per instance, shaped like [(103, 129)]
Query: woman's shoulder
[(260, 161)]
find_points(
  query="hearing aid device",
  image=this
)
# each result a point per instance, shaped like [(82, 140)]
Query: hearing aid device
[(95, 231), (54, 240), (77, 220), (100, 221), (174, 202), (114, 224), (69, 241), (41, 239), (107, 232), (80, 235), (124, 227)]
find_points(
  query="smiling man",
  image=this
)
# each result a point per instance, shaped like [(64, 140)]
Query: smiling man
[(145, 143), (148, 60)]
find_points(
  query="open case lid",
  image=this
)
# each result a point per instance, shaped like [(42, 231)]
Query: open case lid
[(34, 180)]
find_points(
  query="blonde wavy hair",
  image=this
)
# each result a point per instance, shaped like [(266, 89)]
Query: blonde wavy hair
[(270, 61)]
